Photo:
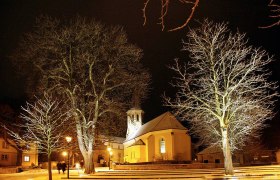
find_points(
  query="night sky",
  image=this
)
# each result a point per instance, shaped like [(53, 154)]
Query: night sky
[(159, 48)]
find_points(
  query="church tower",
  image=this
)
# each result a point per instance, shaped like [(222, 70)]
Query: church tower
[(134, 121)]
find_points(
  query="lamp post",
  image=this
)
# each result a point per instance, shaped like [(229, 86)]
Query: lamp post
[(109, 149), (68, 139), (110, 154)]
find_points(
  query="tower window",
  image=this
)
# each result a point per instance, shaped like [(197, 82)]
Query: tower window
[(162, 145)]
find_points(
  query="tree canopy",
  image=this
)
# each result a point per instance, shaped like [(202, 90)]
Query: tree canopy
[(91, 66), (223, 91)]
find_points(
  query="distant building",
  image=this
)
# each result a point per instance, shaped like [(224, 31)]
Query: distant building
[(9, 155), (101, 154), (163, 138), (30, 156), (212, 154), (254, 156)]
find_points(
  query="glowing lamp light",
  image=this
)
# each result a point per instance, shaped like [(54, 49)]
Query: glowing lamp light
[(64, 153), (109, 149), (68, 139)]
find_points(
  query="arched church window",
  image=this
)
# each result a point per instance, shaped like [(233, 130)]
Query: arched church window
[(162, 145)]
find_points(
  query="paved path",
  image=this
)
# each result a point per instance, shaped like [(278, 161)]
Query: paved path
[(253, 172), (243, 173)]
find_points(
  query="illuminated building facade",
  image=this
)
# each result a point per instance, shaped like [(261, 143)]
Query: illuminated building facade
[(9, 154), (163, 138)]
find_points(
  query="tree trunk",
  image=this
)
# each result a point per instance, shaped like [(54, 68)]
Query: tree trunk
[(89, 165), (227, 153), (86, 152), (19, 157), (49, 167)]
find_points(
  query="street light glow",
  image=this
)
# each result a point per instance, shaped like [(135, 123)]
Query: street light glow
[(64, 153), (109, 149), (68, 139)]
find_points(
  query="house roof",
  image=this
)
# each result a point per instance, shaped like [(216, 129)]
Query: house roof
[(210, 150), (162, 122), (111, 139), (139, 142)]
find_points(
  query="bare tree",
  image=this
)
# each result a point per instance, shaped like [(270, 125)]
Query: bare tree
[(89, 64), (164, 11), (275, 14), (44, 126), (224, 90)]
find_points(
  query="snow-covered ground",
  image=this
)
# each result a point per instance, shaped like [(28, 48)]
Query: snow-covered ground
[(244, 173)]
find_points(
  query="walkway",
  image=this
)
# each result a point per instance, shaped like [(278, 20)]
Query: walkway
[(243, 173)]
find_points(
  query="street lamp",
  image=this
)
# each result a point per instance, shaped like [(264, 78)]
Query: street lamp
[(68, 139), (64, 153), (110, 154)]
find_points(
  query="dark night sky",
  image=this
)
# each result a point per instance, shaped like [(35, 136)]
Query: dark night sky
[(160, 48)]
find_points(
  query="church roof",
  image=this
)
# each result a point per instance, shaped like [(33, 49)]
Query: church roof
[(162, 122)]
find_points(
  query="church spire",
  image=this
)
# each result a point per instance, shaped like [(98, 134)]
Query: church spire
[(134, 120)]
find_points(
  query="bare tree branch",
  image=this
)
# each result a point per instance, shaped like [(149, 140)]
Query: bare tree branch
[(224, 90), (91, 66), (44, 126), (195, 4), (275, 14), (164, 11)]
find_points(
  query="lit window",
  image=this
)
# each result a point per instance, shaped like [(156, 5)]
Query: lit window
[(4, 157), (162, 146), (26, 158)]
